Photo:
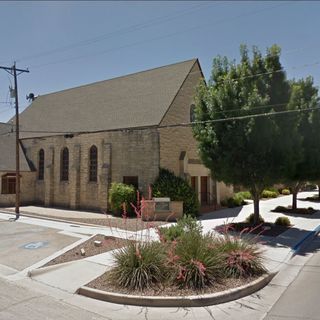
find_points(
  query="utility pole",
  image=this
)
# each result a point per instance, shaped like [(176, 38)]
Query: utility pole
[(13, 71)]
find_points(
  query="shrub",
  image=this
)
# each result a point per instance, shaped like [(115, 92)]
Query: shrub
[(285, 192), (283, 221), (269, 193), (185, 224), (250, 219), (235, 201), (120, 193), (280, 209), (197, 264), (177, 189), (241, 258), (171, 233), (245, 194), (139, 265)]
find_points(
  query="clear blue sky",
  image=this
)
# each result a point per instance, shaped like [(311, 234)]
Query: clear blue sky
[(67, 44)]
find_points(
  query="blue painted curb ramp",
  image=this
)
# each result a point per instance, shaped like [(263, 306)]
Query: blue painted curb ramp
[(313, 233)]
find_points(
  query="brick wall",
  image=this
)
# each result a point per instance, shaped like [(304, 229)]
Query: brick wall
[(175, 140), (120, 153)]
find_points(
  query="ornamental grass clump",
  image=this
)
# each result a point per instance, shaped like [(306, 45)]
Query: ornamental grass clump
[(139, 265), (196, 264), (241, 257), (184, 258)]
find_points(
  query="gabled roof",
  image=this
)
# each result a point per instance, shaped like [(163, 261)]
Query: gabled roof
[(136, 100), (8, 150)]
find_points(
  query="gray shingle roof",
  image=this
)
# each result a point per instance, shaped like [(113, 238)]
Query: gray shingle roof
[(136, 100), (8, 150)]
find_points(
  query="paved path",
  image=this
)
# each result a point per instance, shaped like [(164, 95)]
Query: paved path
[(301, 299)]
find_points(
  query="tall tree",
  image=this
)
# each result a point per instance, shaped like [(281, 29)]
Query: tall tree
[(304, 96), (244, 151)]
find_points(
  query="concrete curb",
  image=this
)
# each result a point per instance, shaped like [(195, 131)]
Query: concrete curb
[(36, 272), (30, 215), (186, 301), (194, 301), (311, 235)]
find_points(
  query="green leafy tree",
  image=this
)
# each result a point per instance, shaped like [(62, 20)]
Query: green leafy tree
[(304, 95), (245, 151)]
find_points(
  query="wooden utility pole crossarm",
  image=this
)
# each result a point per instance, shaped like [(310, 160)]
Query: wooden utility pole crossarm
[(13, 71)]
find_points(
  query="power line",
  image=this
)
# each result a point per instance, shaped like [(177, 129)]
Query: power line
[(183, 124), (264, 73), (266, 114), (158, 38), (129, 29)]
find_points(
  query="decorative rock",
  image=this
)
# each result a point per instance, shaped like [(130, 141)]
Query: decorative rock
[(98, 243), (83, 252)]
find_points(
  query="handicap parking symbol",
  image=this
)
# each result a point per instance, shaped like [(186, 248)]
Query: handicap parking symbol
[(35, 245)]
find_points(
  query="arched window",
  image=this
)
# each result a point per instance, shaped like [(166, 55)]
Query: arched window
[(192, 113), (64, 165), (41, 165), (93, 164)]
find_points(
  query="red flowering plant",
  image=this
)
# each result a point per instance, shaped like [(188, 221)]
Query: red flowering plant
[(241, 255), (196, 264)]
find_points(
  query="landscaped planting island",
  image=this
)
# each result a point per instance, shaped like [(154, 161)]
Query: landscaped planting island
[(185, 263)]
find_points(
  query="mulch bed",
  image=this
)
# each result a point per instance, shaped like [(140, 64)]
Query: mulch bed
[(108, 244), (104, 284), (297, 211), (312, 199), (265, 229)]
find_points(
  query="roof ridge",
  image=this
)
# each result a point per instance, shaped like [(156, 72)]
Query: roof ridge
[(118, 77)]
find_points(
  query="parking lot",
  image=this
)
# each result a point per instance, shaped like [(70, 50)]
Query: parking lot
[(22, 245)]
